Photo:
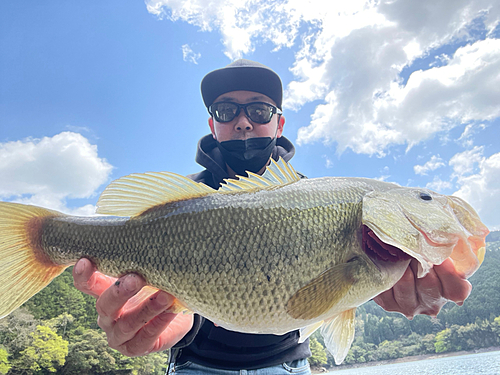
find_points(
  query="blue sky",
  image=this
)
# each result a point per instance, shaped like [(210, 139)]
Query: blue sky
[(408, 92)]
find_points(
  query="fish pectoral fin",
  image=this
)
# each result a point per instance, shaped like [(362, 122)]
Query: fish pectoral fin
[(338, 333), (323, 292), (133, 194), (25, 267), (305, 332)]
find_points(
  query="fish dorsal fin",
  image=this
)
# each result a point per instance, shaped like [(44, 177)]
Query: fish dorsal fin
[(133, 194), (338, 333), (323, 292), (277, 174)]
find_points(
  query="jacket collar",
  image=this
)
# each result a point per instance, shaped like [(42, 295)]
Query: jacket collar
[(209, 156)]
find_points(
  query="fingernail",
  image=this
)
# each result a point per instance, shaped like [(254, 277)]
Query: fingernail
[(79, 268), (163, 299), (460, 303), (129, 283)]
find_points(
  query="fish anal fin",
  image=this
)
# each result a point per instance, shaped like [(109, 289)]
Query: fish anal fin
[(134, 194), (322, 293), (26, 269), (338, 333)]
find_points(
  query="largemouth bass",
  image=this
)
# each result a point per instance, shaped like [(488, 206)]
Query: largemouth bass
[(263, 254)]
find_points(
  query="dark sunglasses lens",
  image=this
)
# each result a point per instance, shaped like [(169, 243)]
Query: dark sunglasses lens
[(224, 112), (260, 112)]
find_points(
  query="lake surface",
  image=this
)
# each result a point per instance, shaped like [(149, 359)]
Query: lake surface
[(482, 363)]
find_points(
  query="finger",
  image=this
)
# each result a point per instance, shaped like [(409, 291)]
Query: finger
[(132, 320), (110, 303), (402, 293), (455, 287), (89, 281), (386, 301), (405, 294), (161, 333), (429, 293)]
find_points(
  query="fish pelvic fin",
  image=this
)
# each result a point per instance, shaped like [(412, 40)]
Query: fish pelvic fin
[(338, 333), (134, 194), (305, 332), (278, 173), (25, 267), (323, 292)]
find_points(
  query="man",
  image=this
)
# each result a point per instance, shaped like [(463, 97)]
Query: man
[(244, 100)]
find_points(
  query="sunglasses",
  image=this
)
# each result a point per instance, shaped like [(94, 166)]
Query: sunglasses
[(258, 112)]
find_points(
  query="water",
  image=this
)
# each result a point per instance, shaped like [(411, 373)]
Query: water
[(475, 364)]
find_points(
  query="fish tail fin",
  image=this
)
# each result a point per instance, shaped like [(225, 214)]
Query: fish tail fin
[(25, 268)]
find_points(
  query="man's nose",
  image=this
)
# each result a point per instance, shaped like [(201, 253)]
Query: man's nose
[(243, 123)]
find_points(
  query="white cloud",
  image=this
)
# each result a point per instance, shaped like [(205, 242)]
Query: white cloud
[(369, 114), (433, 164), (349, 60), (438, 185), (482, 190), (466, 138), (189, 55), (463, 163), (240, 22), (351, 55), (328, 162), (47, 171)]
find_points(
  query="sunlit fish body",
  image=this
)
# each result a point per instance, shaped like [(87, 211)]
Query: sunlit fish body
[(264, 254)]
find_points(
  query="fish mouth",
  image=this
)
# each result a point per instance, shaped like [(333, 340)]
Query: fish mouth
[(376, 249)]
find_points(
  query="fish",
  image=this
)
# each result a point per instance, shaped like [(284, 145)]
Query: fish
[(264, 254)]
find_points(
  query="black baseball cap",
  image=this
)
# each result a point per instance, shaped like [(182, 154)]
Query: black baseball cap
[(242, 74)]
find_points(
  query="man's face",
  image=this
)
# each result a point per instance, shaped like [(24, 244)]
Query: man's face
[(242, 127)]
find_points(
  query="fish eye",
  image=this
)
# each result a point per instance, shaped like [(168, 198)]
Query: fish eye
[(425, 196)]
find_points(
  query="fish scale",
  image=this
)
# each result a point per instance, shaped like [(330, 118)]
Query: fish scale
[(264, 254), (258, 247)]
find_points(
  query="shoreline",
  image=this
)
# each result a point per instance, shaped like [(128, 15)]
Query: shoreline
[(403, 359)]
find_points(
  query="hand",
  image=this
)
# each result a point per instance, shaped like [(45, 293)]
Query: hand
[(412, 296), (137, 325)]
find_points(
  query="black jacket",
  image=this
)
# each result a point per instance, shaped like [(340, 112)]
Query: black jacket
[(217, 347)]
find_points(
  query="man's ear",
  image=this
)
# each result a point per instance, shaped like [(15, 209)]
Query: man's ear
[(211, 125), (281, 124)]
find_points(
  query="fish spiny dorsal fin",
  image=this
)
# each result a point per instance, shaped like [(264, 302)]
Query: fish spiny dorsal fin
[(277, 174), (133, 194)]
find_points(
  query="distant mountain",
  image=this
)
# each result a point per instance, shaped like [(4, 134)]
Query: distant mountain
[(493, 236)]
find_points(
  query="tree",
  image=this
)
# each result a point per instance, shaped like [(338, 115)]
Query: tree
[(60, 297), (16, 330), (318, 357), (89, 353), (442, 344), (154, 363), (62, 324), (4, 361), (47, 352), (389, 350)]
